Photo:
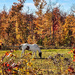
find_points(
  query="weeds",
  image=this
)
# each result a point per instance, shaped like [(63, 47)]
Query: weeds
[(58, 64)]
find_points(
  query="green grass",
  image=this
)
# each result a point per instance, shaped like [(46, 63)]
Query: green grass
[(45, 52)]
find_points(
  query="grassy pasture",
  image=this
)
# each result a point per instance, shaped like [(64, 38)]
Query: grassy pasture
[(58, 66), (45, 52)]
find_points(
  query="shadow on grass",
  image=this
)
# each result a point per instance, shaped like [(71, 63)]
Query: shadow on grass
[(40, 58)]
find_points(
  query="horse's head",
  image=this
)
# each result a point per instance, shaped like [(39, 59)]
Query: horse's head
[(40, 54)]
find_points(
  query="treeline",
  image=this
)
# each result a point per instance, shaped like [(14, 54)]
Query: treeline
[(50, 28)]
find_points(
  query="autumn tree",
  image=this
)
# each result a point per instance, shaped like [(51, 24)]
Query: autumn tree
[(73, 8), (3, 23), (47, 28), (14, 20), (57, 25), (69, 30), (31, 27), (39, 4)]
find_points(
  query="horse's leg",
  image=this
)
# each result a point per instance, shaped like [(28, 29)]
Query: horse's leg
[(32, 54), (35, 54), (22, 52)]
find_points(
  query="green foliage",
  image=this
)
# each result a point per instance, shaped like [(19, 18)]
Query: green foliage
[(39, 42)]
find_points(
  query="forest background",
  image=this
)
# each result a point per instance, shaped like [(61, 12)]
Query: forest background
[(51, 28)]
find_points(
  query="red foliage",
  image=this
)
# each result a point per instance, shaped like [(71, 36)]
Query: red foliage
[(73, 47), (56, 18), (74, 51), (6, 53), (71, 69), (74, 56), (74, 60)]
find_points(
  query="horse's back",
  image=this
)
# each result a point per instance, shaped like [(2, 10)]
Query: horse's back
[(35, 45), (31, 46)]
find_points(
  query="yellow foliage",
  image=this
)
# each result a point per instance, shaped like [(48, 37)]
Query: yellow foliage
[(27, 73), (0, 71), (0, 40), (18, 36), (25, 60), (16, 68), (29, 64), (33, 59)]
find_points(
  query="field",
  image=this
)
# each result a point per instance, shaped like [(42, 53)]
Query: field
[(53, 62)]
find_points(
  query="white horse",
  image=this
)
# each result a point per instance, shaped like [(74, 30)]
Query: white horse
[(31, 47)]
